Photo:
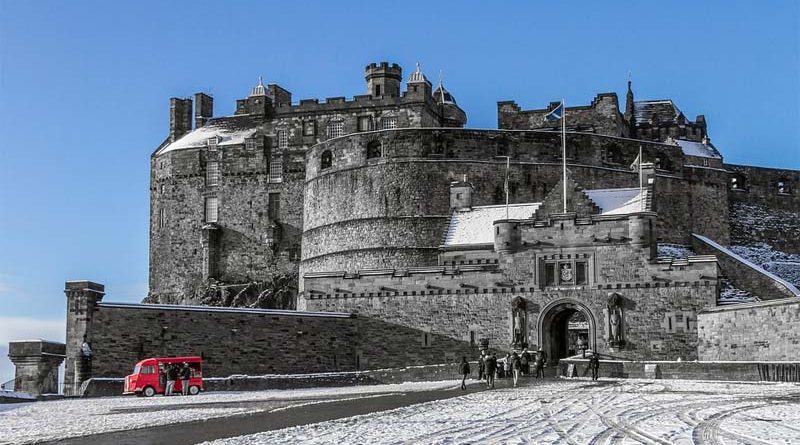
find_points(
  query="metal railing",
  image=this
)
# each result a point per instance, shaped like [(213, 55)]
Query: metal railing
[(8, 386)]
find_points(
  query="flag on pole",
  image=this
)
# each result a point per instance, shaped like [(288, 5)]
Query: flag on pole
[(556, 114), (637, 162)]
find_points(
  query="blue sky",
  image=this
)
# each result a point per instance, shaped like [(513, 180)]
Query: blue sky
[(84, 89)]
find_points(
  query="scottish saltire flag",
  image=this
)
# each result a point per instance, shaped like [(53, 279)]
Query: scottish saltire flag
[(556, 114)]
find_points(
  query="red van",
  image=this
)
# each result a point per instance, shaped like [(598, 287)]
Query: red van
[(150, 376)]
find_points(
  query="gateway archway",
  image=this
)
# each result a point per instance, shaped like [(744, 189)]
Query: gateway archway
[(561, 324)]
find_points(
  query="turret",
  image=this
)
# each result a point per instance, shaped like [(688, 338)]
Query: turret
[(383, 80), (257, 104), (461, 195), (507, 237), (630, 116), (418, 86)]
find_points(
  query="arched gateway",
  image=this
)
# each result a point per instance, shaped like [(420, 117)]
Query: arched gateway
[(560, 324)]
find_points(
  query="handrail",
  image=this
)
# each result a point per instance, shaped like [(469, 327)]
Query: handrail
[(4, 385)]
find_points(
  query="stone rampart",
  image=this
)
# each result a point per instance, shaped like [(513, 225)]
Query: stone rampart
[(745, 274), (768, 331)]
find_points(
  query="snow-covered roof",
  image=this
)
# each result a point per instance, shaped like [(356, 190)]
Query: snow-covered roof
[(230, 130), (617, 201), (692, 148), (476, 226), (664, 111)]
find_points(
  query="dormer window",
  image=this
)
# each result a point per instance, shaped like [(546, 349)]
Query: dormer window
[(211, 143)]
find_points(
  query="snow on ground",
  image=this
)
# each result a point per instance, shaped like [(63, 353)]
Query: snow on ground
[(51, 420), (575, 412), (728, 294), (782, 264), (674, 250)]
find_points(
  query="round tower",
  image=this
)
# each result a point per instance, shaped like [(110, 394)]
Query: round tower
[(383, 80)]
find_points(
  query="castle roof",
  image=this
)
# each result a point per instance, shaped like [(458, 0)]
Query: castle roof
[(441, 95), (649, 111), (418, 76), (229, 130), (476, 225), (693, 148), (259, 89)]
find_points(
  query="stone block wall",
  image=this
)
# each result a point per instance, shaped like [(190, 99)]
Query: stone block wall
[(765, 331), (602, 116)]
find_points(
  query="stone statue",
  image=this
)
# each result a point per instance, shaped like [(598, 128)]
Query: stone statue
[(615, 320), (519, 318)]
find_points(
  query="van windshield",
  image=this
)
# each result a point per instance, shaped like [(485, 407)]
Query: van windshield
[(136, 369)]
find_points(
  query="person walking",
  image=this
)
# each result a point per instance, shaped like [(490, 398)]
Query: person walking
[(172, 375), (516, 366), (481, 366), (186, 373), (594, 365), (507, 365), (491, 368), (539, 365), (464, 370)]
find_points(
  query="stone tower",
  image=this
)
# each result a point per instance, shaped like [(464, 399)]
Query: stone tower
[(383, 80)]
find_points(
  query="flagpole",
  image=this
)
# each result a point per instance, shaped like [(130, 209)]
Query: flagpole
[(508, 165), (641, 186), (564, 150)]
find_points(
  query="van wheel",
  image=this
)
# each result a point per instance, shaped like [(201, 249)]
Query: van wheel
[(194, 390), (149, 391)]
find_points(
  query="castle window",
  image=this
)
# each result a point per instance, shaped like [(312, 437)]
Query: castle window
[(374, 149), (426, 339), (211, 143), (162, 218), (211, 210), (309, 128), (738, 182), (335, 129), (364, 123), (283, 139), (251, 144), (326, 160), (274, 206), (276, 169), (388, 122), (782, 186), (212, 173), (377, 90)]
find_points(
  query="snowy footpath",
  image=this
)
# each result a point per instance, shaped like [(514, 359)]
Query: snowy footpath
[(574, 412), (24, 423)]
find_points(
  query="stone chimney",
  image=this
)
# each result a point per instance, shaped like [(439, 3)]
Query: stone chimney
[(180, 118), (203, 109)]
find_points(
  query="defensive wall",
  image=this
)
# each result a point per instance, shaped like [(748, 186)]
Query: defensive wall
[(391, 210), (767, 331), (236, 341)]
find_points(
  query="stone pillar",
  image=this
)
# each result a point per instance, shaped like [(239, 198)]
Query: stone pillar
[(36, 363), (82, 297)]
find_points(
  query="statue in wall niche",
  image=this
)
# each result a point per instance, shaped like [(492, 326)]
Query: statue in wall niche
[(519, 317), (615, 319)]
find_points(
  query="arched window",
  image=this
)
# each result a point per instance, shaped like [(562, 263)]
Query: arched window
[(374, 149), (782, 186), (326, 160), (738, 182)]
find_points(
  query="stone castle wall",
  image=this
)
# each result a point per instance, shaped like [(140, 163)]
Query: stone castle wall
[(601, 116), (754, 331)]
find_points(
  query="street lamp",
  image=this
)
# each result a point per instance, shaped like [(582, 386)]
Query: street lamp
[(508, 165)]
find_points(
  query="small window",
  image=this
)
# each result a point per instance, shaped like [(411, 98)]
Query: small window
[(309, 128), (705, 162), (426, 339), (472, 338), (162, 218), (782, 186), (550, 274), (251, 144), (580, 273), (335, 129), (274, 206), (326, 160), (364, 123), (377, 90), (212, 209), (389, 122), (283, 139), (212, 173), (374, 149), (276, 169), (211, 143)]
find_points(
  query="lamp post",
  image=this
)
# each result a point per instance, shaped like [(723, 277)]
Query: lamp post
[(508, 165)]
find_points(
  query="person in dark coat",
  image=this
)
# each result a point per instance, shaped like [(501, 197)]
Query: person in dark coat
[(481, 366), (172, 376), (539, 365), (525, 360), (491, 368), (464, 370), (594, 365), (185, 374), (516, 366)]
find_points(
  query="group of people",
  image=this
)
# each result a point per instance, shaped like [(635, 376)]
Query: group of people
[(512, 365), (171, 373)]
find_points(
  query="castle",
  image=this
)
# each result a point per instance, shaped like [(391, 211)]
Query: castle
[(406, 238)]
